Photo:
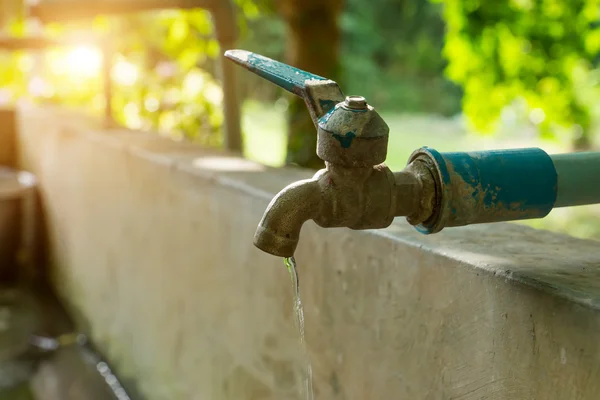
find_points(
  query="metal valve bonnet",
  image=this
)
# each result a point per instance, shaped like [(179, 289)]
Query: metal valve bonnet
[(352, 134)]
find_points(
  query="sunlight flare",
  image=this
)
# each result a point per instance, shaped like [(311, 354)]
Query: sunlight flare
[(83, 61)]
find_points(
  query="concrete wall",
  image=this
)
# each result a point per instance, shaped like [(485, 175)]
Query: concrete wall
[(151, 248)]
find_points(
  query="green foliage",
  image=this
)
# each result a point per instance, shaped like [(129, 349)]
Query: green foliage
[(544, 52), (392, 55), (263, 32), (162, 73), (164, 66), (175, 91)]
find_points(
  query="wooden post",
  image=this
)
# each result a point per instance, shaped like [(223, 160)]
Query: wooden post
[(107, 62), (225, 26), (8, 141)]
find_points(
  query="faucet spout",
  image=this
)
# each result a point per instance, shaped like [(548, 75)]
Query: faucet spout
[(279, 229), (337, 196)]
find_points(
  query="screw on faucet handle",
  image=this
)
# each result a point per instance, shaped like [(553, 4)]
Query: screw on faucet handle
[(320, 94)]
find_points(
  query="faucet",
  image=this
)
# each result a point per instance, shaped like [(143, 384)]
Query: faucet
[(435, 190)]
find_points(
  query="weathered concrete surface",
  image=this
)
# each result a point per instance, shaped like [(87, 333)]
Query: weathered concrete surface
[(151, 247)]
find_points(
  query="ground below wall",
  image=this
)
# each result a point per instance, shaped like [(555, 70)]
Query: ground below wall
[(150, 242)]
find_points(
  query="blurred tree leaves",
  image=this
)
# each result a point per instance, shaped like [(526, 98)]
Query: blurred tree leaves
[(177, 92), (541, 52), (391, 54), (164, 70)]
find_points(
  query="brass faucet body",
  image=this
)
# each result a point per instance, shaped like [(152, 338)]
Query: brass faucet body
[(338, 196)]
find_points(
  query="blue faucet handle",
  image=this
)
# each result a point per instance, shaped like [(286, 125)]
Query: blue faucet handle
[(320, 94), (283, 75)]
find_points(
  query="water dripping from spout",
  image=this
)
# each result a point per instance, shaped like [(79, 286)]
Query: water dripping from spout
[(290, 264)]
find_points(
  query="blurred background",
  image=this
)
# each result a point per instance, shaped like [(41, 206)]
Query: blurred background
[(449, 74)]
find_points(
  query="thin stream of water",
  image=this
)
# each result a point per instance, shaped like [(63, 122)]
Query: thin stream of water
[(290, 264)]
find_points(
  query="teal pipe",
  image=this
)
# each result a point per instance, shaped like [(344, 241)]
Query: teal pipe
[(488, 186), (507, 185), (578, 178)]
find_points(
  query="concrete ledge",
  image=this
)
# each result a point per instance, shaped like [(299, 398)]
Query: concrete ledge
[(151, 247)]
